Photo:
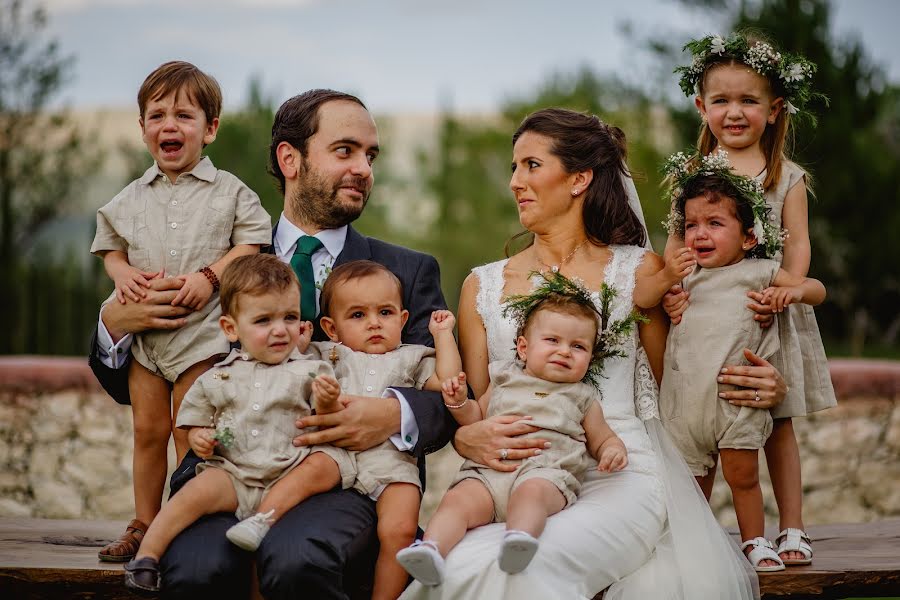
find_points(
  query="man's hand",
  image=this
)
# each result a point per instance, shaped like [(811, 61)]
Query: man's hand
[(195, 292), (763, 385), (155, 311), (362, 424), (762, 309), (441, 320), (201, 441), (675, 302), (483, 441)]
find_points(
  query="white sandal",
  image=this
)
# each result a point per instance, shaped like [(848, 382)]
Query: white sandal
[(423, 562), (762, 550), (517, 550), (795, 540)]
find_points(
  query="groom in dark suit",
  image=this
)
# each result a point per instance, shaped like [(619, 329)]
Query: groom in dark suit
[(323, 146)]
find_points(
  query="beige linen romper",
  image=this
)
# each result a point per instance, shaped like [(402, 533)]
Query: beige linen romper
[(802, 359), (714, 330), (260, 403), (362, 374), (558, 410), (180, 228)]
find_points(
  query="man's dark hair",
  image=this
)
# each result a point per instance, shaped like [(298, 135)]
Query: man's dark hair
[(297, 120)]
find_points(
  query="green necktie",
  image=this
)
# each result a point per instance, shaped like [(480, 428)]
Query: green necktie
[(301, 262)]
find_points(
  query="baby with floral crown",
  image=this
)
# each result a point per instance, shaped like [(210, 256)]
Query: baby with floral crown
[(728, 240), (564, 333)]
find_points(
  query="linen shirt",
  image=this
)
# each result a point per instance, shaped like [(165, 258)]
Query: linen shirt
[(179, 228)]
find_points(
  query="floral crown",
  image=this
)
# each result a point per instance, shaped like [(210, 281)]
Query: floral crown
[(792, 70), (611, 336), (682, 170)]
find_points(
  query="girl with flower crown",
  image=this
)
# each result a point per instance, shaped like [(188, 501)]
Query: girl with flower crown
[(747, 94), (722, 218)]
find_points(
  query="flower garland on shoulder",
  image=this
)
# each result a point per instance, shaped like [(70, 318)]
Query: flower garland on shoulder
[(794, 72), (681, 169), (611, 335)]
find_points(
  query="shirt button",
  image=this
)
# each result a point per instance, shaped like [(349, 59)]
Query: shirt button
[(371, 371), (174, 225), (245, 356), (172, 252), (174, 202), (256, 407), (368, 388), (257, 385), (408, 439), (255, 433)]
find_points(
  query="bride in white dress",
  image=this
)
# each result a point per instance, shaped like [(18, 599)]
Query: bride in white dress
[(646, 531)]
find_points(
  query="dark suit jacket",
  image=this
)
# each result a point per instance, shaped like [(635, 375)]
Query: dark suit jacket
[(420, 275)]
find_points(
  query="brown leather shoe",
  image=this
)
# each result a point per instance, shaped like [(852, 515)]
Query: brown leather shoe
[(124, 548)]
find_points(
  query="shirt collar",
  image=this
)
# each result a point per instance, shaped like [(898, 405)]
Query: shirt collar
[(287, 234), (203, 170), (238, 354)]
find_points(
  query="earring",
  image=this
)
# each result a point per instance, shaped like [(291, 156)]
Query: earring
[(574, 193)]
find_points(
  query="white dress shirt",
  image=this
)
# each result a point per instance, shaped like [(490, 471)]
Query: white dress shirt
[(114, 355)]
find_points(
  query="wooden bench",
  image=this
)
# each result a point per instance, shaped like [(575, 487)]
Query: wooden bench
[(42, 558)]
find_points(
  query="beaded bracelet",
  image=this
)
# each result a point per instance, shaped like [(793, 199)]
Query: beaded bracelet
[(455, 406), (211, 276)]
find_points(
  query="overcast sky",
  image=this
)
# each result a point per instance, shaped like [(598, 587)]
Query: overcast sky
[(398, 55)]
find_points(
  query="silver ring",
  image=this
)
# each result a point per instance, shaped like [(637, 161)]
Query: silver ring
[(756, 399), (503, 453)]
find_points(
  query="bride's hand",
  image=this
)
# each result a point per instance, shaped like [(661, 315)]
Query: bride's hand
[(484, 441), (763, 385)]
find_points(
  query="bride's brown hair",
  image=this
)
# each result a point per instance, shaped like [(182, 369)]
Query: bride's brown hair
[(583, 142)]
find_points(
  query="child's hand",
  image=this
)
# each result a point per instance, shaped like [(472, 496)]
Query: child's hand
[(441, 320), (306, 332), (131, 282), (201, 441), (781, 297), (680, 264), (675, 302), (326, 391), (454, 390), (613, 456), (195, 292)]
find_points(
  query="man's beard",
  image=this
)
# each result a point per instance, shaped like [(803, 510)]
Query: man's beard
[(316, 200)]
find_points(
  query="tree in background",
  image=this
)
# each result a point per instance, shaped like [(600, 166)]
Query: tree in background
[(43, 158)]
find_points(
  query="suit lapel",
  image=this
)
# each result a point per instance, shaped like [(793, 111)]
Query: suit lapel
[(356, 247)]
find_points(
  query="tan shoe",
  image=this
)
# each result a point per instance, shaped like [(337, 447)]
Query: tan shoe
[(126, 546)]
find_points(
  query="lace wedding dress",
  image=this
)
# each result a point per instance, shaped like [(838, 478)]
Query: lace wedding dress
[(617, 534)]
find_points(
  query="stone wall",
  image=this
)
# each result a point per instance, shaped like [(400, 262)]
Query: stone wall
[(65, 447)]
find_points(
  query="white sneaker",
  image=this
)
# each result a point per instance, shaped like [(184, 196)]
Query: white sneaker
[(249, 533), (423, 562), (517, 550)]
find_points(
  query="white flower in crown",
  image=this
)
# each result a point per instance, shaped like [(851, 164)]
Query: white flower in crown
[(759, 230), (717, 45), (794, 72), (792, 110)]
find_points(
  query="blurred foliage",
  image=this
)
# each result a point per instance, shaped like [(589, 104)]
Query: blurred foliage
[(44, 160)]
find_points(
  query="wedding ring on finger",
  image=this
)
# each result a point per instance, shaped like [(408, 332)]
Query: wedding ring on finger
[(504, 453), (756, 398)]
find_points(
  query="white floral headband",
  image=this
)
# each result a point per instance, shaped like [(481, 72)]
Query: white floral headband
[(792, 70), (683, 169)]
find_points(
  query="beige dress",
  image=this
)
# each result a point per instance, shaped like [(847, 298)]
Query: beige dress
[(558, 409), (180, 228), (713, 332), (259, 403), (802, 359), (363, 374)]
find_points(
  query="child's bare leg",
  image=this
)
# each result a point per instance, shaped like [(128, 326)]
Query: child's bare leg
[(152, 426), (531, 503), (466, 506), (317, 473), (707, 481), (398, 517), (741, 471), (179, 389), (783, 460), (209, 492)]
